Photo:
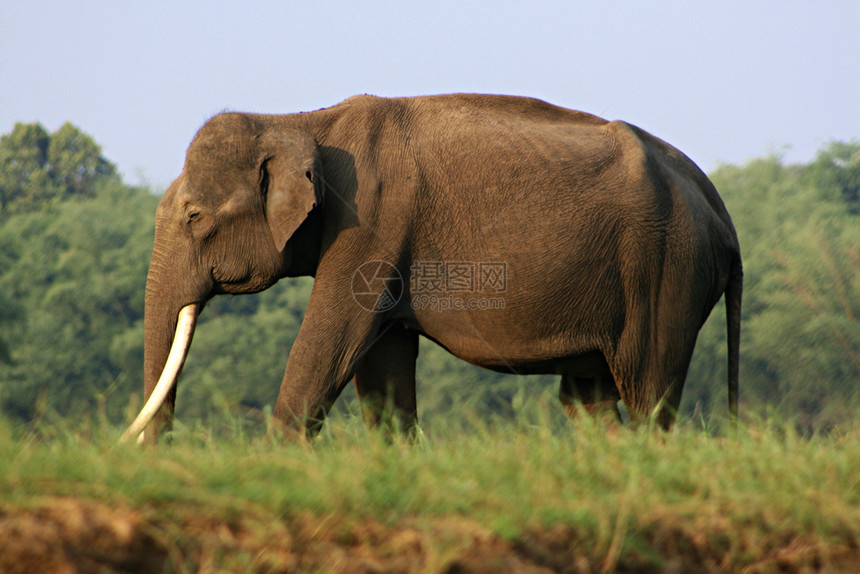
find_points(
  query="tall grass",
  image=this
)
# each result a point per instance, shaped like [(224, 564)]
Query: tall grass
[(623, 495)]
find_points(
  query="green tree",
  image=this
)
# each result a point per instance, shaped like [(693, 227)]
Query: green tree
[(75, 245), (798, 227), (9, 312), (37, 168), (837, 168), (23, 177), (78, 271), (75, 161)]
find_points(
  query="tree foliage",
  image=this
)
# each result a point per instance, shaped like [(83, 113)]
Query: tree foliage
[(799, 228), (75, 245), (37, 169)]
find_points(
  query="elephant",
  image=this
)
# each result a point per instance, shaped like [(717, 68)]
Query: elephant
[(602, 248)]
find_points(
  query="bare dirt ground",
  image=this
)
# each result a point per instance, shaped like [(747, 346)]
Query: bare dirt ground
[(64, 535)]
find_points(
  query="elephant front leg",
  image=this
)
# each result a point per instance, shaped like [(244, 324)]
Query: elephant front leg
[(385, 380), (334, 334)]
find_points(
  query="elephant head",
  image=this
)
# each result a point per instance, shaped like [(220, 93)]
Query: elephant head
[(224, 226)]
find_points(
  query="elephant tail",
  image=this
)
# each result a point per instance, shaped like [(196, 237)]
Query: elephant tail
[(733, 296)]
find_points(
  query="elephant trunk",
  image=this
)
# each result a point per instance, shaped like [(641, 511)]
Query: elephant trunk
[(170, 317)]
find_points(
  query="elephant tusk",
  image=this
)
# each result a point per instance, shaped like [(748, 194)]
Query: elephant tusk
[(175, 359)]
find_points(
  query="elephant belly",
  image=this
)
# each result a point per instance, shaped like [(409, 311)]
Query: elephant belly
[(589, 364), (520, 351)]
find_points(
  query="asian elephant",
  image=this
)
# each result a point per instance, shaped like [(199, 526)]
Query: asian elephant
[(600, 248)]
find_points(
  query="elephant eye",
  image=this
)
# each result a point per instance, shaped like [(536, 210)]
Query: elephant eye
[(193, 216)]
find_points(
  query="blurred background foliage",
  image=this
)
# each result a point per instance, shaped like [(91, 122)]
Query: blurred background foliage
[(75, 244)]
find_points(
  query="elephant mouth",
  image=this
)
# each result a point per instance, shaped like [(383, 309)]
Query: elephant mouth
[(237, 285), (221, 277), (241, 281)]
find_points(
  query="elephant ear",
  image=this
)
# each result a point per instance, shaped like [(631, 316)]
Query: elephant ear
[(292, 183)]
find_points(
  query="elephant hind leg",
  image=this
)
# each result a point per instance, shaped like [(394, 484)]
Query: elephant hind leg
[(597, 394), (653, 398), (651, 388), (385, 380)]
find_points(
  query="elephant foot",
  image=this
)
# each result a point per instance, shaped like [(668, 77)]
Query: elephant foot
[(604, 413)]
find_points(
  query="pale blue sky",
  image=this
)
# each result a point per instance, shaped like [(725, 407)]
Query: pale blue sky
[(723, 81)]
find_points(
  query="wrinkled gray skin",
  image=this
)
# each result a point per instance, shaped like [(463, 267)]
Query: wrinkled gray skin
[(616, 247)]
